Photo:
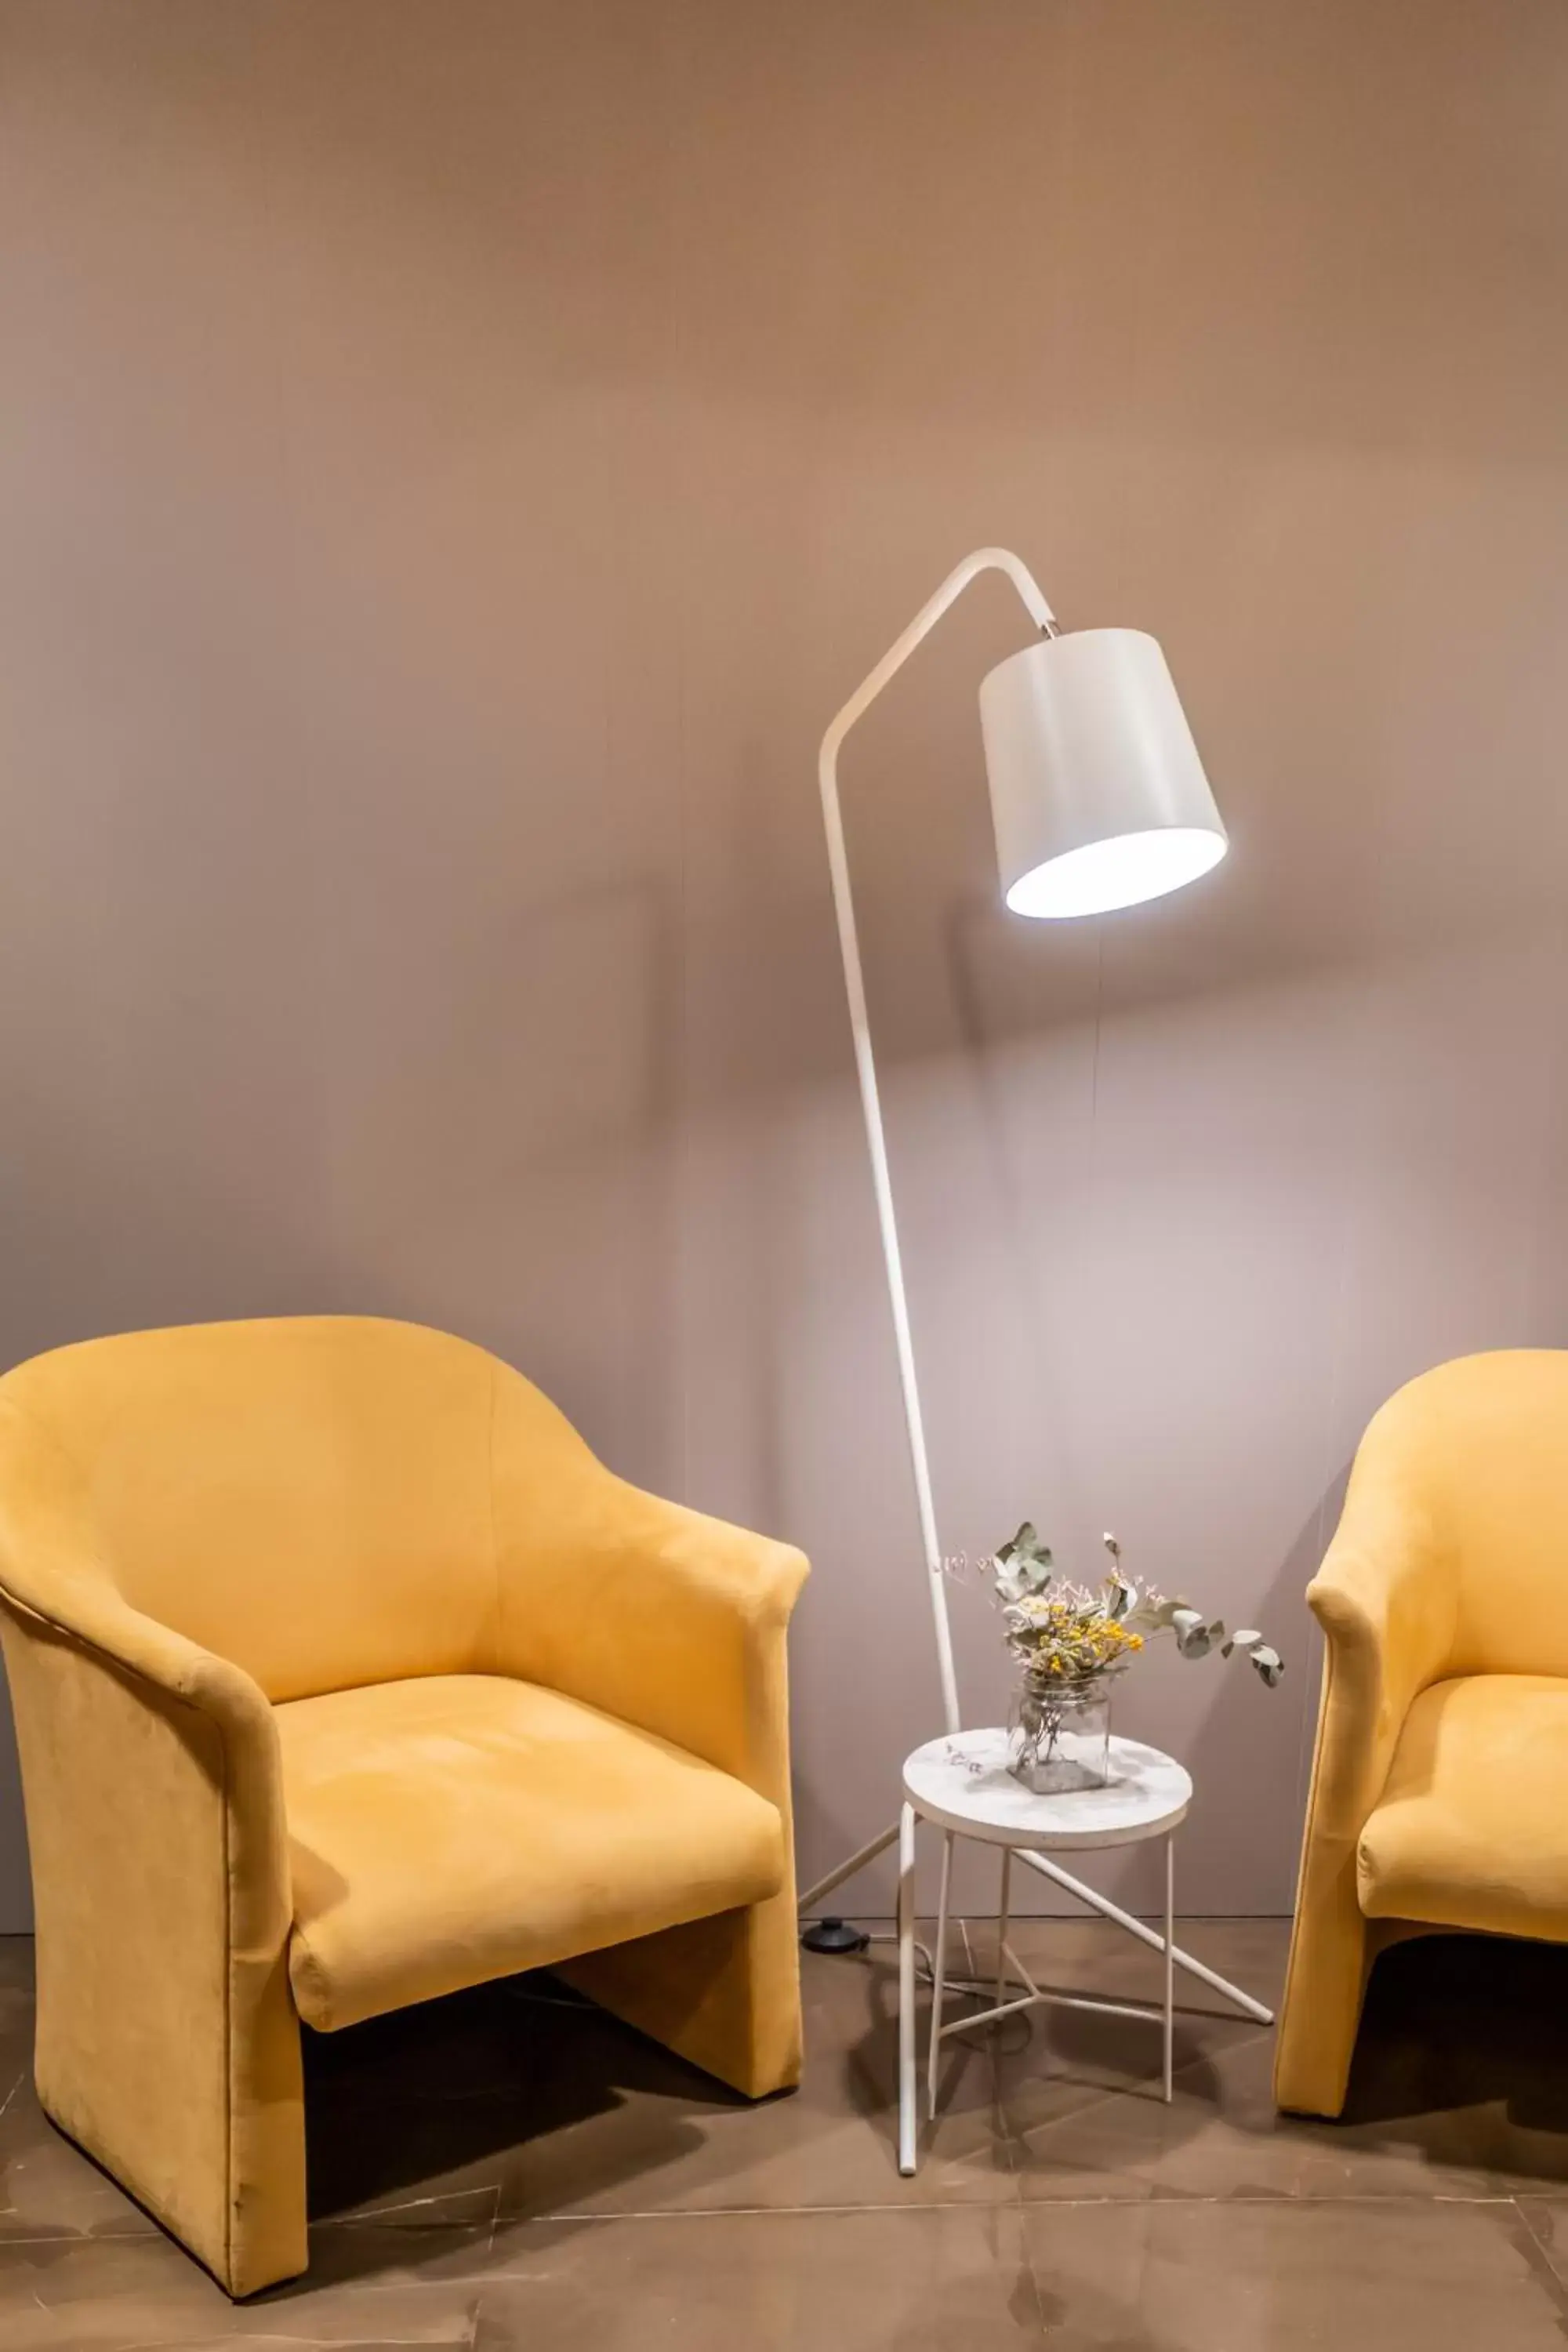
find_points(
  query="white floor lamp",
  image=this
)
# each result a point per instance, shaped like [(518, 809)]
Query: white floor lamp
[(1100, 800)]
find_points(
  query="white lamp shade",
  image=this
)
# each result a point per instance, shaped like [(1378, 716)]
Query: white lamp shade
[(1098, 794)]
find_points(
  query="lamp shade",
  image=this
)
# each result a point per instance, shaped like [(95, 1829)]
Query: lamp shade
[(1098, 794)]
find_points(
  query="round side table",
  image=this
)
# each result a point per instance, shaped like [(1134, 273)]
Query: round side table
[(961, 1783)]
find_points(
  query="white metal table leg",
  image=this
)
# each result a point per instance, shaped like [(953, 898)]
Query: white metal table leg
[(958, 1785), (939, 1973), (906, 2116), (1169, 1957), (1145, 1934)]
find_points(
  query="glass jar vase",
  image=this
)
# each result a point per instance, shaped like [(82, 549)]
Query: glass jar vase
[(1058, 1734)]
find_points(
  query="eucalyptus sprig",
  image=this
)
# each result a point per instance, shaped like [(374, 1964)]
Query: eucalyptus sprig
[(1061, 1629)]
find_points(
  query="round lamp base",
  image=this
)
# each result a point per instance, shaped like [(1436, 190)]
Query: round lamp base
[(834, 1935)]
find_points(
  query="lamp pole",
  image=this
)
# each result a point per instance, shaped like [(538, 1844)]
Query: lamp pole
[(985, 559)]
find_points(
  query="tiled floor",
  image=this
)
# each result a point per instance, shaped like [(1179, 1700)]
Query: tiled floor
[(502, 2170)]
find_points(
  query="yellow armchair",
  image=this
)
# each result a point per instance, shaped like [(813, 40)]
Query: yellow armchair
[(1440, 1783), (344, 1676)]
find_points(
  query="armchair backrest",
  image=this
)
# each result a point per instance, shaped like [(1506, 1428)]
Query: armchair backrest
[(310, 1497), (1481, 1448)]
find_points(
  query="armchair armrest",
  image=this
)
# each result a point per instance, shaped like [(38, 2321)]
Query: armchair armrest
[(53, 1583), (160, 1666), (1387, 1599), (675, 1622), (661, 1615), (166, 2041)]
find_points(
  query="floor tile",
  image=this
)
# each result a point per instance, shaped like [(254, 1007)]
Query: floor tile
[(1413, 2276), (1221, 2137), (950, 2279), (1547, 2221), (1444, 2103), (377, 2254), (114, 2295), (673, 2142), (48, 2188), (15, 2011), (1099, 1955)]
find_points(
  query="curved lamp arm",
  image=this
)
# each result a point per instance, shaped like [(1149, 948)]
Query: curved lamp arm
[(984, 559)]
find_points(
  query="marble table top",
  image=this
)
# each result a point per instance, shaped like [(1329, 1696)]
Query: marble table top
[(962, 1781)]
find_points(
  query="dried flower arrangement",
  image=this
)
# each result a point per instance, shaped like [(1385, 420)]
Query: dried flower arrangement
[(1071, 1643), (1062, 1632)]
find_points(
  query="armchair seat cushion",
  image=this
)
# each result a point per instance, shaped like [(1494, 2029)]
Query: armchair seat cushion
[(459, 1827), (1472, 1830)]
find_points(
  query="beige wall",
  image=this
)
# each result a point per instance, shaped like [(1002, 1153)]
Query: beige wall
[(453, 458)]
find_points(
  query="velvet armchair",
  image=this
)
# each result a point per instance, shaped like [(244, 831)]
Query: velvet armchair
[(344, 1676), (1439, 1792)]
